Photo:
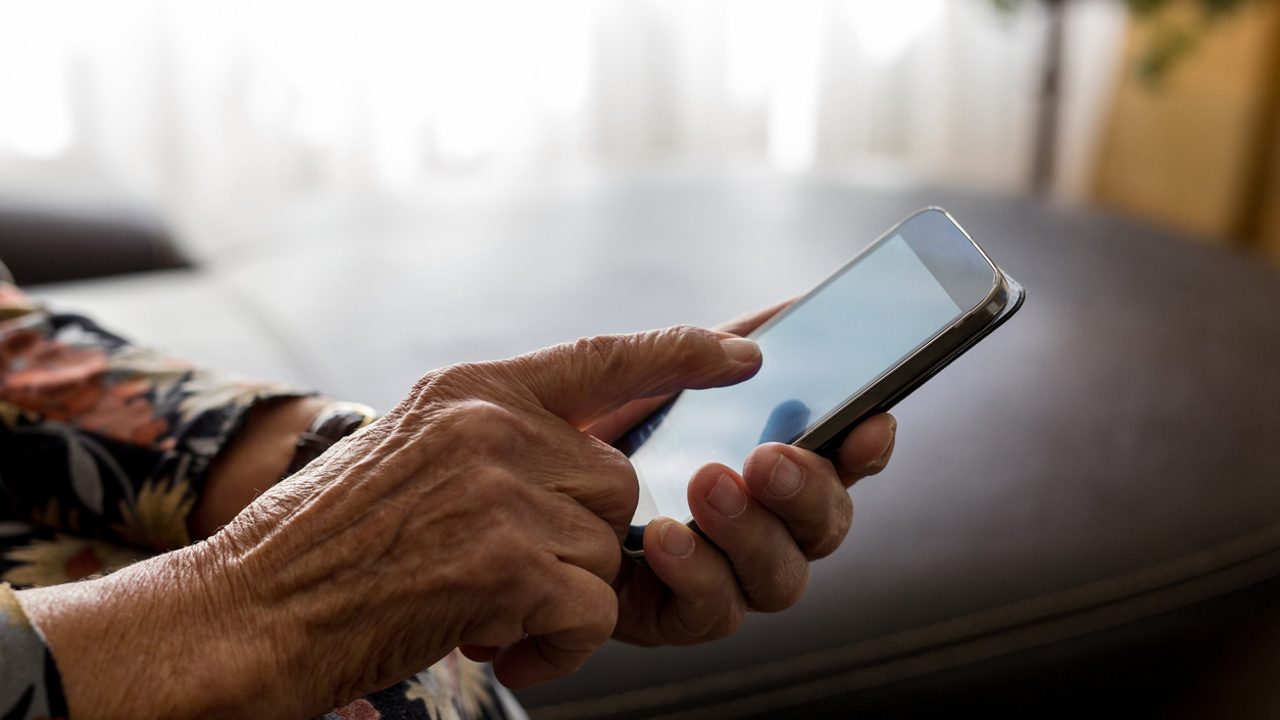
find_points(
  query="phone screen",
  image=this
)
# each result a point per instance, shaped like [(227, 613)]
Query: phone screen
[(827, 348)]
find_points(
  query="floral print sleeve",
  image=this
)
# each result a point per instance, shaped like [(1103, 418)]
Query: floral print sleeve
[(102, 438), (29, 683), (104, 449)]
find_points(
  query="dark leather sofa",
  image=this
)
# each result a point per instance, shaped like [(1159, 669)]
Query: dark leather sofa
[(1083, 514), (43, 241)]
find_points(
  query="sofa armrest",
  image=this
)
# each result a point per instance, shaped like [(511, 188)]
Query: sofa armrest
[(43, 242)]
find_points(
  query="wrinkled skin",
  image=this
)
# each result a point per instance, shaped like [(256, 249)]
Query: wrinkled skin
[(475, 513), (485, 511)]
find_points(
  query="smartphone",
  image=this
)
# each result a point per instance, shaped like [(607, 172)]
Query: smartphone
[(863, 339)]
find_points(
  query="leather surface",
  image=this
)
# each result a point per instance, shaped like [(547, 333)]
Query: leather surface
[(43, 242), (1107, 456)]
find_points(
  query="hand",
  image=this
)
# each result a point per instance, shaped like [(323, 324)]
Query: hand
[(788, 507), (476, 513)]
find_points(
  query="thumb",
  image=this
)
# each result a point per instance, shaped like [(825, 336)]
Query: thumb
[(583, 380)]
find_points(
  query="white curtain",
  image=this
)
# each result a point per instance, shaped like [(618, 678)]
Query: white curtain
[(243, 107)]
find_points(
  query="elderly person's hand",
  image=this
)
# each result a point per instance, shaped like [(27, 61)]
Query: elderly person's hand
[(475, 513), (787, 507)]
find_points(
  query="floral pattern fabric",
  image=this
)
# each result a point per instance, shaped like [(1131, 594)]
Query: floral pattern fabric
[(29, 683), (104, 448)]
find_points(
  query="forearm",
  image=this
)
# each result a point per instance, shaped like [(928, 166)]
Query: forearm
[(166, 638)]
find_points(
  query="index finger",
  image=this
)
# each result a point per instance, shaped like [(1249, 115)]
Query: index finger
[(584, 380), (613, 426), (748, 322)]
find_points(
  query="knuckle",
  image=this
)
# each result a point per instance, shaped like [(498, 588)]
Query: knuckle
[(626, 484), (603, 614), (686, 343), (497, 482), (604, 560), (785, 589), (462, 379), (513, 565), (496, 557), (603, 351), (483, 424), (796, 589), (832, 533), (452, 377), (824, 545), (421, 396), (585, 539), (426, 383), (451, 384), (495, 493), (611, 488), (497, 499)]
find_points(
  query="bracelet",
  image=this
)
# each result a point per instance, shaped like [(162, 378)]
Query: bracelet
[(334, 422)]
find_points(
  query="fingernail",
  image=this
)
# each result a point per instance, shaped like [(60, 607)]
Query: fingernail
[(675, 540), (878, 464), (740, 349), (727, 498), (786, 479)]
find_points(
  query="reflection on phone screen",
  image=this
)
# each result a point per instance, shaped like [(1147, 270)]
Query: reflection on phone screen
[(787, 421), (822, 352)]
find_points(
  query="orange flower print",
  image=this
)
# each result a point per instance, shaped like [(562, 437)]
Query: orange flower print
[(125, 413), (69, 383), (45, 376), (63, 559)]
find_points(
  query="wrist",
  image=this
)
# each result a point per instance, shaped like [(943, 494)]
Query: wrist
[(253, 461), (278, 438), (166, 638)]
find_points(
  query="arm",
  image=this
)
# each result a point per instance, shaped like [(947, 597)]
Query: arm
[(475, 513), (106, 439), (700, 582)]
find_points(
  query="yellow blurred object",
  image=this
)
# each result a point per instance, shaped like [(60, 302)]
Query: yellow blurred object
[(1268, 224), (1197, 149)]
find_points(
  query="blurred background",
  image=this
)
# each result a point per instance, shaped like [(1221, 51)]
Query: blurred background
[(343, 194), (221, 116)]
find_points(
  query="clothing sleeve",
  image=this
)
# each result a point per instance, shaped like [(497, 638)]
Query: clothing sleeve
[(102, 438), (104, 449), (30, 688)]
